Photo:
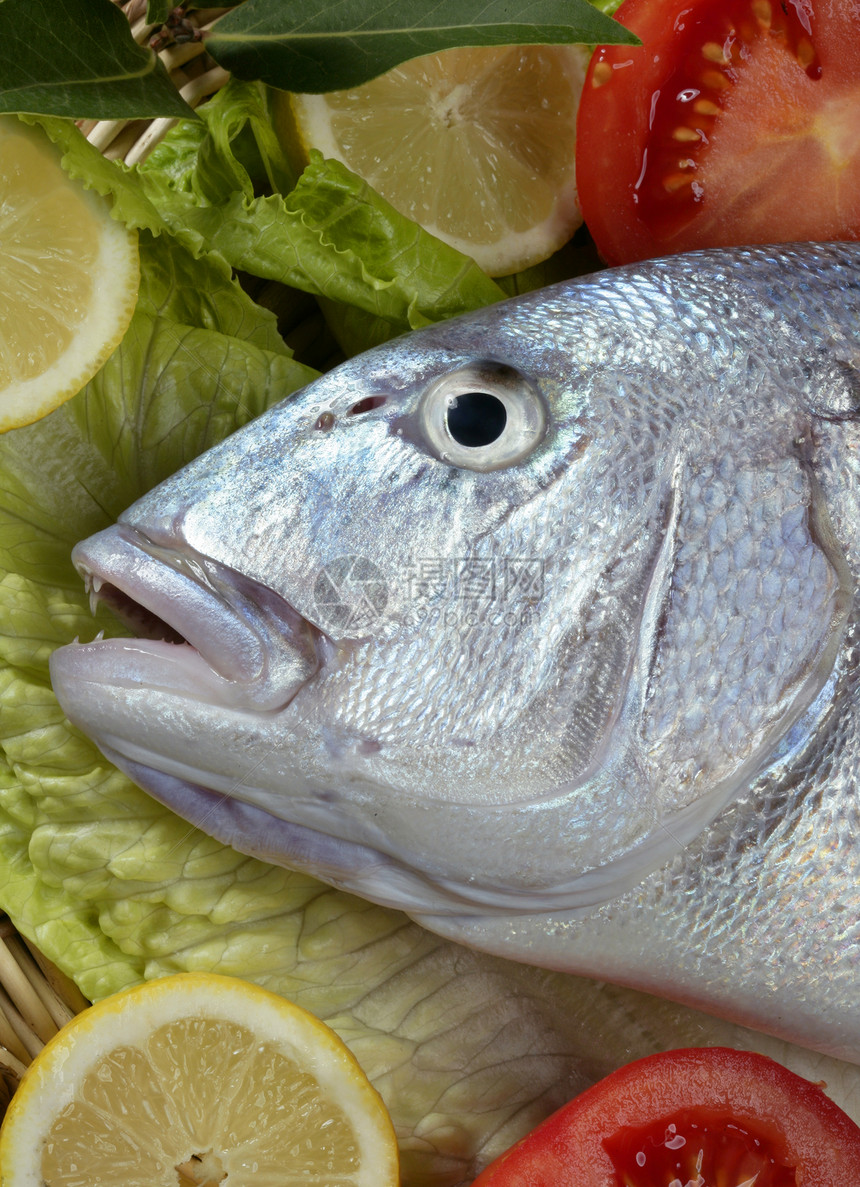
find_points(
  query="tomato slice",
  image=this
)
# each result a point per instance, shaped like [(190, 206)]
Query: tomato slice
[(697, 1117), (735, 122)]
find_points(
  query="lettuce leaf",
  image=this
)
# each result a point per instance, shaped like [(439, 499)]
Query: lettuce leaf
[(199, 359), (200, 186), (109, 178), (232, 147), (330, 234)]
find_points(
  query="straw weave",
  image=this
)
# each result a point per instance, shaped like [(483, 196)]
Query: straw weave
[(197, 76)]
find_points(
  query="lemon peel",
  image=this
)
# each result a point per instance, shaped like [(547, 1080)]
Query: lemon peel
[(69, 275)]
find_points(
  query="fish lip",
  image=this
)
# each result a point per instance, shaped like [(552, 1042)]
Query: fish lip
[(204, 630)]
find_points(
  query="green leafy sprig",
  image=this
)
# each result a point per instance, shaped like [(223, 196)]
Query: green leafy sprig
[(78, 58), (318, 46)]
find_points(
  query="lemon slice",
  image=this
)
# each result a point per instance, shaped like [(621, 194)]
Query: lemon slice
[(68, 278), (476, 145), (196, 1079)]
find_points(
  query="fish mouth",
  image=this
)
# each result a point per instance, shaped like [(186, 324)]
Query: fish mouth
[(202, 630)]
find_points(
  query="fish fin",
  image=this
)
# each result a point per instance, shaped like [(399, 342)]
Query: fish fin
[(743, 624)]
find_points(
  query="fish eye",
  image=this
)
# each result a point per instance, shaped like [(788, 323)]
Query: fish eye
[(482, 417), (476, 418)]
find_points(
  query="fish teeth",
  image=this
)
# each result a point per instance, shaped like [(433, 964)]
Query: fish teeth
[(92, 585)]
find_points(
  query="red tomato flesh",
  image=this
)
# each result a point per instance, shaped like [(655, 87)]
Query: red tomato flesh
[(737, 121), (698, 1117), (699, 1143)]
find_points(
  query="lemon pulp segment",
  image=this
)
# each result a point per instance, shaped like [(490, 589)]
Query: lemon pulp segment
[(476, 145), (196, 1079), (68, 278)]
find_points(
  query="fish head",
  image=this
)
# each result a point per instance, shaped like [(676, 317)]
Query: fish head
[(489, 619)]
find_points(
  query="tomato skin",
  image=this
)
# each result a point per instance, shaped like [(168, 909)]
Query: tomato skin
[(805, 1127), (778, 161)]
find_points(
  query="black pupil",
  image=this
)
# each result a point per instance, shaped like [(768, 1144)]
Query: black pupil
[(476, 418)]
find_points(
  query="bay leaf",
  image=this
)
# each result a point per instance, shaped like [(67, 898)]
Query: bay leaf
[(157, 11), (316, 45), (78, 59)]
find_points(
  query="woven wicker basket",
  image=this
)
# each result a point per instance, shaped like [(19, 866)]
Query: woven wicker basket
[(193, 72), (36, 998)]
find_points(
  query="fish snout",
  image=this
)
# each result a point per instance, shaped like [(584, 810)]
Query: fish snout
[(203, 630)]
